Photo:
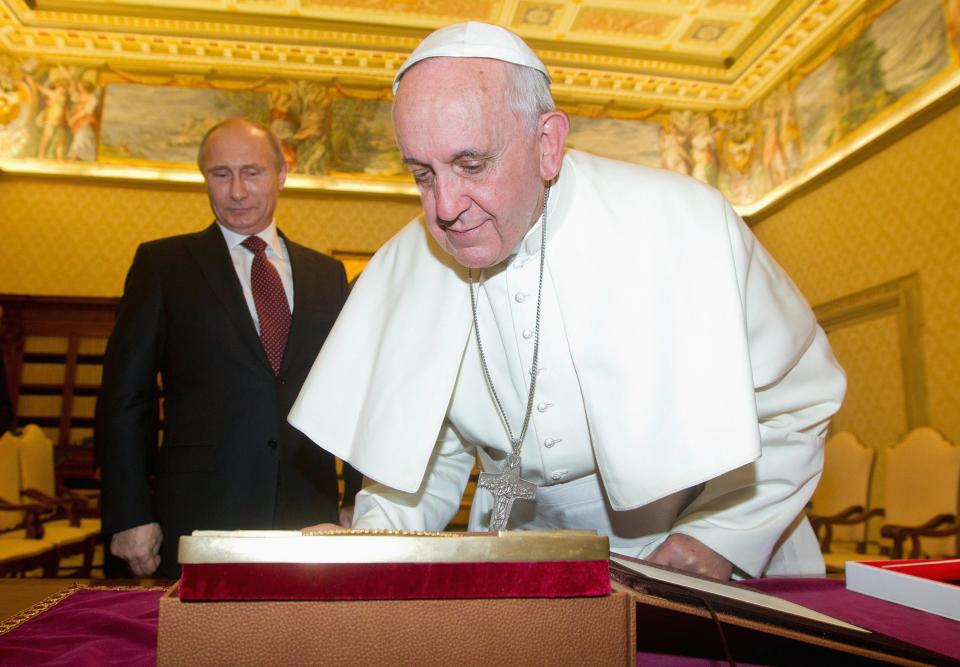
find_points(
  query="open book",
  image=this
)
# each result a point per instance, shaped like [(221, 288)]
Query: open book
[(733, 593), (685, 614)]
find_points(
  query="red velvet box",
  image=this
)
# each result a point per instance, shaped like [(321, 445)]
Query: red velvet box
[(505, 631), (392, 566), (392, 581), (358, 598)]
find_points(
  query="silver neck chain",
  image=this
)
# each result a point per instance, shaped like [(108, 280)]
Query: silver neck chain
[(516, 442)]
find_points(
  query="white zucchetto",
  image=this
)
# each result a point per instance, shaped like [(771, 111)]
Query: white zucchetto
[(473, 40)]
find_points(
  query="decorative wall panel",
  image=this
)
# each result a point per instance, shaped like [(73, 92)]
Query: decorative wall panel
[(891, 215)]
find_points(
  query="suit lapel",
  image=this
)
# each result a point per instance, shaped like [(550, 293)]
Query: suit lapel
[(307, 297), (210, 250)]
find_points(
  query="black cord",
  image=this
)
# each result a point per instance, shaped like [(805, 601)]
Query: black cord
[(719, 626), (713, 614)]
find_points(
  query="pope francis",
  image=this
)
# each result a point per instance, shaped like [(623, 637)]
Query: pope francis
[(609, 339)]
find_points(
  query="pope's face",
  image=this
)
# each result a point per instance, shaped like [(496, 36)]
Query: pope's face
[(242, 178), (476, 165)]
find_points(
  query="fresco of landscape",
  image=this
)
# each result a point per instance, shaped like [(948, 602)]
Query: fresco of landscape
[(900, 51), (627, 140), (146, 124)]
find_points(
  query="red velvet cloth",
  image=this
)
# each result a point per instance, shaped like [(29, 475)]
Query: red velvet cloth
[(97, 627), (392, 581), (88, 628), (831, 597)]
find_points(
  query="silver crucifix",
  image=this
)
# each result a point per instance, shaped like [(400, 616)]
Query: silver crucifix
[(506, 487)]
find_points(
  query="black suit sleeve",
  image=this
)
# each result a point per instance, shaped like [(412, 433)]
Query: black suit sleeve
[(352, 478), (352, 481), (126, 413)]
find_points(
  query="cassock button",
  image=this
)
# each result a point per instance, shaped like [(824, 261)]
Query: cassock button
[(272, 444), (550, 442), (558, 475), (543, 406), (520, 297), (527, 334)]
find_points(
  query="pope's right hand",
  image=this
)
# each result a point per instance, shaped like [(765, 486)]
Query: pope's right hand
[(322, 528), (140, 547)]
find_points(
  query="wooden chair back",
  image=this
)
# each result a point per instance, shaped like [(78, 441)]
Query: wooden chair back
[(9, 482), (845, 483), (923, 481), (36, 460)]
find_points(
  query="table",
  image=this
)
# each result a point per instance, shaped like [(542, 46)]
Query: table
[(78, 622), (18, 594), (115, 624)]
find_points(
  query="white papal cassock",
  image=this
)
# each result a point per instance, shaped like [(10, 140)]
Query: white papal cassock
[(686, 386)]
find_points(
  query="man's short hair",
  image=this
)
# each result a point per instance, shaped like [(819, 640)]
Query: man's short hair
[(275, 148), (528, 92)]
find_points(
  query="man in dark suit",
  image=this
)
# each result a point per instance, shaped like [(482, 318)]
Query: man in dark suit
[(231, 318)]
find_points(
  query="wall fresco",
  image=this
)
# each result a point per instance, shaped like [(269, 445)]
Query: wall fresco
[(48, 111), (55, 114), (146, 124)]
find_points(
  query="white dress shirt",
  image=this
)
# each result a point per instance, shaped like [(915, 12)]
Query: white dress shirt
[(243, 261)]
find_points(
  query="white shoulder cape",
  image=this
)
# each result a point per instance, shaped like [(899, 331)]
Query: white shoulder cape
[(674, 316)]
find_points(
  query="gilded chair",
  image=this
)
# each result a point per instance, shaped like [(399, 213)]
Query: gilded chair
[(923, 496), (839, 507), (68, 540), (21, 550), (921, 500), (37, 475)]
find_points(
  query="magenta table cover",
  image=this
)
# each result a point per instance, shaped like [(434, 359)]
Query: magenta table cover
[(95, 626), (84, 627), (831, 597)]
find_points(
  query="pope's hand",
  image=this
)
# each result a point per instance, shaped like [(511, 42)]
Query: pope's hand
[(322, 528), (683, 552), (140, 547)]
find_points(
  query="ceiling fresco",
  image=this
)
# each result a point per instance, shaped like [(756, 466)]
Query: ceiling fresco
[(709, 54)]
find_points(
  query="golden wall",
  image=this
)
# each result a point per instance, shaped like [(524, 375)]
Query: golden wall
[(893, 215), (78, 238)]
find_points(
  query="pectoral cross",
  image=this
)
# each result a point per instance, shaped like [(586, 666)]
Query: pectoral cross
[(506, 487)]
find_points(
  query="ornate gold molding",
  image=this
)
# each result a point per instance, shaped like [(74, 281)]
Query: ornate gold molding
[(192, 177), (751, 147), (607, 63)]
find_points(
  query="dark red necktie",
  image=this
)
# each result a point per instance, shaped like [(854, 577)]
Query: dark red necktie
[(270, 299)]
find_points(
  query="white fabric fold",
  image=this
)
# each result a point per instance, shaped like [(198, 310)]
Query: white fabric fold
[(675, 320)]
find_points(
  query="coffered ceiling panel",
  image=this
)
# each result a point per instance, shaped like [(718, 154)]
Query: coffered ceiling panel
[(684, 53)]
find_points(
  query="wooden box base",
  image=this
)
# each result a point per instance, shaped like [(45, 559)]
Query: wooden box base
[(532, 631)]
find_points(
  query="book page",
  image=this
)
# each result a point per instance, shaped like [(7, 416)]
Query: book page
[(739, 593)]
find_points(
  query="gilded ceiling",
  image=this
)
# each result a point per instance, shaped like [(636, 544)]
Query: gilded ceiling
[(709, 54)]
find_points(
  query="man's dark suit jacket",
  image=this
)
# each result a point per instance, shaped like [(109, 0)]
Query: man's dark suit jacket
[(229, 459)]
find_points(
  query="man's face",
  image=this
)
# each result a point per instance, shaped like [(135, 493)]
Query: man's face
[(475, 163), (242, 178)]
